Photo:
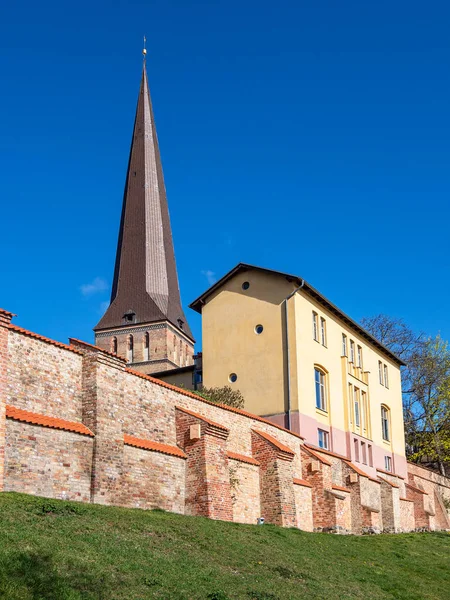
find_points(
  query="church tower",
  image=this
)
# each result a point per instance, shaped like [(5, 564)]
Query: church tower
[(144, 322)]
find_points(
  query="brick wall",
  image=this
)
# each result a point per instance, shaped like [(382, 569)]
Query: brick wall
[(76, 423)]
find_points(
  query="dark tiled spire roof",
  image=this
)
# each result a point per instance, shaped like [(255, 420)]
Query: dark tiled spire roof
[(145, 275)]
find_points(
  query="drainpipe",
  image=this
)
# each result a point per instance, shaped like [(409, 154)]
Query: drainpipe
[(288, 382)]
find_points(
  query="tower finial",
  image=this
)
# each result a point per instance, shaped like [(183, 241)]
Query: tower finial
[(144, 50)]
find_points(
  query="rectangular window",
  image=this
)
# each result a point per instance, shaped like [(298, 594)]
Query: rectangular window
[(363, 453), (356, 446), (344, 345), (388, 463), (323, 439), (323, 331), (363, 410), (385, 423), (315, 324), (321, 401), (360, 360), (350, 402), (352, 351), (370, 455), (386, 380), (356, 403), (380, 372)]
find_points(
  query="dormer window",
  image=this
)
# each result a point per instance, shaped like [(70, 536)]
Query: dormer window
[(180, 323), (129, 316)]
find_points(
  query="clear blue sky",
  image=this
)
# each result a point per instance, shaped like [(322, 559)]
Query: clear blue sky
[(310, 137)]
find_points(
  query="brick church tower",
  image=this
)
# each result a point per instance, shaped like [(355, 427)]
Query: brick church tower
[(144, 322)]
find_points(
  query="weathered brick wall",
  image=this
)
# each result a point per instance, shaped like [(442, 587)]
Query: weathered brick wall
[(231, 466), (407, 515), (47, 462), (5, 318)]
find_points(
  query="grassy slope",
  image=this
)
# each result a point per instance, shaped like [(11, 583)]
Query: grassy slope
[(110, 553)]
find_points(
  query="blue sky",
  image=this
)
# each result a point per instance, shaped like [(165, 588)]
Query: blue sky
[(310, 137)]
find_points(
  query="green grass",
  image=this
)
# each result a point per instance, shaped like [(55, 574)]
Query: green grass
[(57, 550)]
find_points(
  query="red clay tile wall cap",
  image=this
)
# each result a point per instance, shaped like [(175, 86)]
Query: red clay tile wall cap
[(319, 457), (184, 392), (242, 458), (394, 485), (202, 418), (415, 489), (274, 442), (340, 488), (407, 500), (390, 473), (74, 340), (323, 451), (302, 482), (360, 472), (37, 419), (7, 313), (129, 440), (43, 339)]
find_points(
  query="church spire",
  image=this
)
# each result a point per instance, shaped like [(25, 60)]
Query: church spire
[(145, 287)]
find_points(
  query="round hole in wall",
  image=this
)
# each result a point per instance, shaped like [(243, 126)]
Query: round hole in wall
[(245, 285), (259, 329), (232, 377)]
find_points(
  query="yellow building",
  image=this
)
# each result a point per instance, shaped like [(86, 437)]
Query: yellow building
[(302, 363)]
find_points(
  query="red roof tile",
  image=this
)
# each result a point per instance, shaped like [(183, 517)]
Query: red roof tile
[(415, 489), (390, 473), (340, 488), (328, 452), (394, 485), (7, 313), (37, 419), (43, 339), (274, 441), (202, 418), (361, 472), (407, 500), (223, 406), (302, 482), (129, 440), (241, 457), (317, 455), (97, 348)]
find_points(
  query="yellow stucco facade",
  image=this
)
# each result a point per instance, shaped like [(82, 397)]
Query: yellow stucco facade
[(289, 360)]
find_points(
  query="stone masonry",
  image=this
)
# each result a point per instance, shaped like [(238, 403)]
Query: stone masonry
[(76, 423)]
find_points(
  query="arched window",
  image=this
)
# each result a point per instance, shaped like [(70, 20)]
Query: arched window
[(320, 379), (130, 348), (147, 346), (385, 423), (114, 345)]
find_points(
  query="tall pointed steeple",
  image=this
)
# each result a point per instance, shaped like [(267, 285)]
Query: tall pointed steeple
[(145, 288)]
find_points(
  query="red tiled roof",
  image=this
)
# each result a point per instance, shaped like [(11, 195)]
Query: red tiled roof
[(7, 313), (415, 489), (43, 339), (323, 451), (37, 419), (407, 500), (390, 473), (316, 455), (360, 472), (340, 488), (394, 485), (202, 418), (97, 348), (274, 441), (241, 457), (302, 482), (129, 440), (184, 392)]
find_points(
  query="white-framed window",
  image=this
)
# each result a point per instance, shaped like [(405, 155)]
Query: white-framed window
[(356, 399), (344, 345), (386, 378), (323, 331), (380, 372), (350, 402), (364, 410), (352, 351), (315, 325), (321, 390), (385, 427), (360, 357), (323, 437), (388, 463)]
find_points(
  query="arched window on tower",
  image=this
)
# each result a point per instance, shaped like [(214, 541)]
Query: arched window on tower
[(114, 345), (130, 348), (181, 352), (146, 346)]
